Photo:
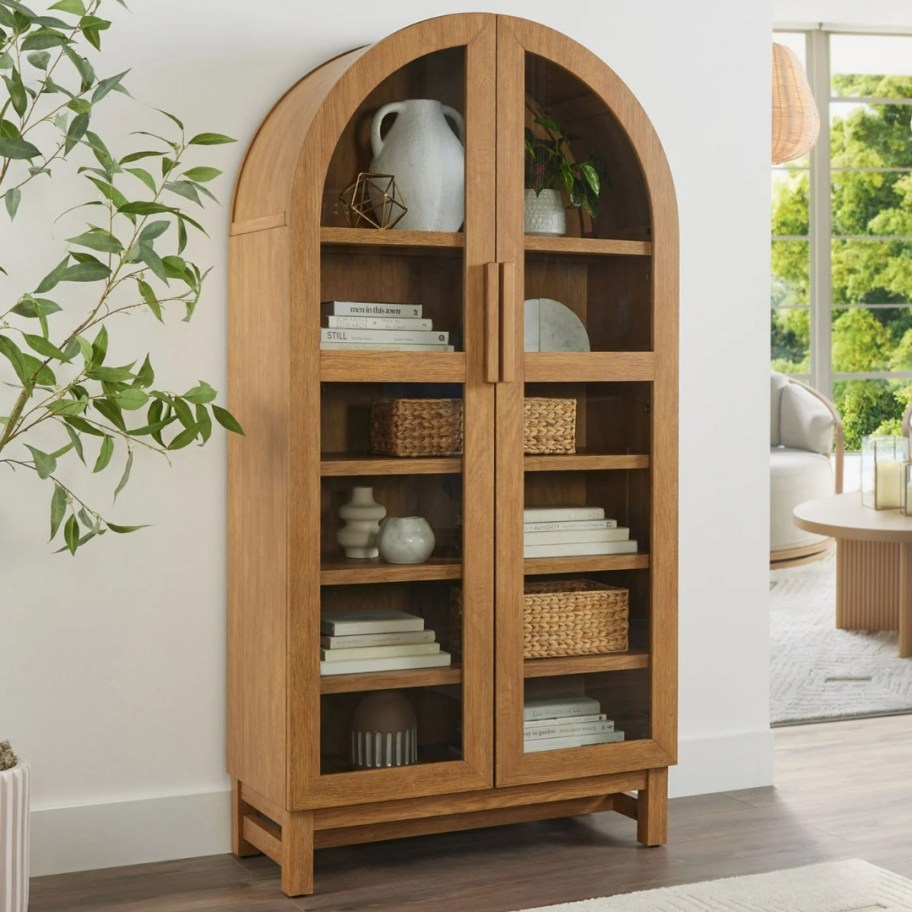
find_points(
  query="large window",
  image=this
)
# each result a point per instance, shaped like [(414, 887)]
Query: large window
[(842, 232)]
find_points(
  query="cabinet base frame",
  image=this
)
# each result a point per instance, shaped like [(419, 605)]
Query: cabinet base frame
[(289, 837)]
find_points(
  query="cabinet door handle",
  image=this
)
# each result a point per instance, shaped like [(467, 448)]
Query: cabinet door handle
[(507, 322), (492, 327)]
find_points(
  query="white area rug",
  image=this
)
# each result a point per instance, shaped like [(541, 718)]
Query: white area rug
[(840, 886), (819, 673)]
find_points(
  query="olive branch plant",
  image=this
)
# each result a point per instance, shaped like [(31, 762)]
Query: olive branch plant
[(59, 383)]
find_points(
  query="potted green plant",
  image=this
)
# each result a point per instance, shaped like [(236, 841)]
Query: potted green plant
[(14, 831), (64, 394), (553, 175)]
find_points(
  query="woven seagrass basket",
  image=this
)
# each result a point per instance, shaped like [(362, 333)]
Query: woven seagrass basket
[(564, 618), (433, 427)]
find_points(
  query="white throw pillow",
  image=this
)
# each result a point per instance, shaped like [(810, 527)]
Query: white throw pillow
[(805, 423)]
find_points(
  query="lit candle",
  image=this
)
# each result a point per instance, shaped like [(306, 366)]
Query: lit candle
[(888, 484)]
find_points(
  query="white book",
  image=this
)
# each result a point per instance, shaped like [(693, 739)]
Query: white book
[(538, 723), (564, 729), (377, 639), (560, 706), (378, 323), (373, 309), (369, 620), (566, 549), (559, 525), (531, 747), (391, 663), (399, 336), (621, 533), (558, 514), (378, 652), (383, 346)]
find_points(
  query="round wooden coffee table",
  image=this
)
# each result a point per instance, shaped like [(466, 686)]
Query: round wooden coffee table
[(873, 563)]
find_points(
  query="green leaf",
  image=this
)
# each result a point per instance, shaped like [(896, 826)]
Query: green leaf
[(111, 411), (6, 62), (227, 420), (210, 139), (71, 533), (44, 347), (104, 454), (44, 462), (126, 474), (92, 271), (76, 442), (83, 426), (138, 156), (184, 415), (121, 530), (145, 177), (80, 106), (184, 438), (67, 406), (28, 369), (12, 198), (148, 256), (54, 276), (76, 131), (83, 67), (145, 376), (200, 394), (184, 189), (204, 422), (58, 508), (181, 236), (98, 239), (111, 193), (110, 374), (152, 231), (140, 208), (43, 38), (18, 149), (34, 308), (201, 174), (171, 117), (132, 398), (99, 347), (108, 85), (39, 60), (74, 7), (148, 295)]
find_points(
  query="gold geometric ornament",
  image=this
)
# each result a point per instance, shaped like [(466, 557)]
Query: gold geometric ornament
[(373, 198)]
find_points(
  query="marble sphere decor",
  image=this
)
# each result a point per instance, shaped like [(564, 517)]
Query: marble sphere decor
[(552, 326)]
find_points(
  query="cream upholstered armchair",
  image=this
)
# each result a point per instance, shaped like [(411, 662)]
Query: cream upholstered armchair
[(806, 461)]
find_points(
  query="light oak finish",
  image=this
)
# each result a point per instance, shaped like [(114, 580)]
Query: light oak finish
[(307, 414), (873, 563)]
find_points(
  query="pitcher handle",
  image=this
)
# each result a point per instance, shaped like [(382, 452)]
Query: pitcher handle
[(456, 117), (394, 107)]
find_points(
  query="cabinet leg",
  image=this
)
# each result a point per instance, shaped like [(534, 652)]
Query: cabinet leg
[(240, 809), (652, 809), (297, 853)]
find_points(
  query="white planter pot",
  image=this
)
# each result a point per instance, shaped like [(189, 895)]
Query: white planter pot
[(14, 838), (544, 212)]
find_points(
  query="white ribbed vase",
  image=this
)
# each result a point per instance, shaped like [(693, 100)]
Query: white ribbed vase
[(14, 838)]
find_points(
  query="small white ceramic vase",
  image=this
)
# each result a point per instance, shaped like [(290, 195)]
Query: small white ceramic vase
[(427, 160), (14, 838), (362, 515), (545, 213), (405, 540)]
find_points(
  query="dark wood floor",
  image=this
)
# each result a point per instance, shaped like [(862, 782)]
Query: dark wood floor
[(843, 790)]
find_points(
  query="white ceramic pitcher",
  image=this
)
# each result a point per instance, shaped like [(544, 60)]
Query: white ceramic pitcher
[(426, 159)]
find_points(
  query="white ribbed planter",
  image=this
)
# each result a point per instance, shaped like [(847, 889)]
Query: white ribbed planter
[(14, 838)]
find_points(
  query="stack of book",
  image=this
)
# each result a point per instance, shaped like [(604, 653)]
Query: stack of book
[(362, 640), (571, 720), (364, 326), (566, 530)]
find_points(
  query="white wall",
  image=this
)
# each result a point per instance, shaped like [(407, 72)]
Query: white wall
[(112, 664), (889, 14)]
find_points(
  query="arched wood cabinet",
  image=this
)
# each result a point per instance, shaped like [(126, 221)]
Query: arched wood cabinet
[(307, 412)]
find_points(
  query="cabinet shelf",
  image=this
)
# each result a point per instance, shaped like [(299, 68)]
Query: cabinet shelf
[(584, 461), (339, 571), (390, 680), (537, 566), (588, 664), (592, 246), (580, 367), (337, 464), (373, 237), (392, 367)]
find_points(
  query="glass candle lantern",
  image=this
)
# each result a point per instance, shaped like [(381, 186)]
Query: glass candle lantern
[(907, 488), (882, 471)]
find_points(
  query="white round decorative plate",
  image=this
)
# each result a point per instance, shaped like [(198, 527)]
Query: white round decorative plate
[(552, 326)]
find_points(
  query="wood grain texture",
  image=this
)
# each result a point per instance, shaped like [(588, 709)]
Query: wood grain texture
[(588, 246), (543, 367), (842, 791)]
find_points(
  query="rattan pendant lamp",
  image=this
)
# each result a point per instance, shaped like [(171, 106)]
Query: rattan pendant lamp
[(796, 122)]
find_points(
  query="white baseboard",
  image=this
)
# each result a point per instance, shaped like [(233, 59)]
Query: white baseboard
[(185, 826), (722, 763), (129, 832)]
